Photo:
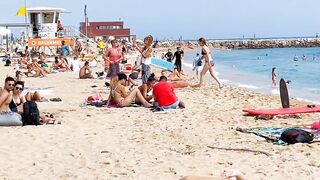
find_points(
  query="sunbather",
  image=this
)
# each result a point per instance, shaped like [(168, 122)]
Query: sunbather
[(7, 117), (146, 88), (121, 98)]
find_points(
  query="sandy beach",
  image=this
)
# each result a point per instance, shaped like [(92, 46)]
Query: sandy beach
[(136, 143)]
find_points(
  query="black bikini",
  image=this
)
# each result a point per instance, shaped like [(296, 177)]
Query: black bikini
[(13, 106)]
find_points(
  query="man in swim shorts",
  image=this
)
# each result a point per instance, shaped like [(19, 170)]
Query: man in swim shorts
[(164, 95), (85, 72), (7, 117)]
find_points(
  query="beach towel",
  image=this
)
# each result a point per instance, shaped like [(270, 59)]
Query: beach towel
[(273, 134)]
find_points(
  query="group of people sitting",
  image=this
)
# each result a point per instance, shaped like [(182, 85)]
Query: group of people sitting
[(162, 93), (12, 101)]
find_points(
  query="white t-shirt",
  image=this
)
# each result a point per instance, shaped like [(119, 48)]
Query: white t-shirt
[(75, 64)]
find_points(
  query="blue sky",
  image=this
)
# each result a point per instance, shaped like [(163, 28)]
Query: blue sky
[(191, 19)]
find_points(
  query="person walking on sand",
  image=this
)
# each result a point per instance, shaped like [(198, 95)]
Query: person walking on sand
[(169, 56), (146, 53), (274, 77), (178, 55), (209, 64)]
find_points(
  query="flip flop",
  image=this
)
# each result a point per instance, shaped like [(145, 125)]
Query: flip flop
[(55, 99)]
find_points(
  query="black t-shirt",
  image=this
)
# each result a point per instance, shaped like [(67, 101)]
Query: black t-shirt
[(168, 55), (178, 55)]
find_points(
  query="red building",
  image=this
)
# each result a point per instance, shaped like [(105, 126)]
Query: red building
[(104, 30)]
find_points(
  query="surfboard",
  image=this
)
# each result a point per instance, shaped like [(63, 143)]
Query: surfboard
[(163, 64), (284, 111), (284, 95)]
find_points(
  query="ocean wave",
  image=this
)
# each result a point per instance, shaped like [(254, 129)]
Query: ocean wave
[(247, 86)]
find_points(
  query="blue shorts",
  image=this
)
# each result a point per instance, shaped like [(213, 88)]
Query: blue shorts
[(172, 106)]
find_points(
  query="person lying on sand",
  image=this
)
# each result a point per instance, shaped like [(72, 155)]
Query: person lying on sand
[(35, 96), (146, 88), (229, 174), (7, 117), (121, 98), (164, 95), (85, 72), (34, 70), (174, 75)]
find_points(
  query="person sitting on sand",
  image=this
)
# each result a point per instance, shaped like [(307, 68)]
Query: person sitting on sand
[(7, 117), (85, 72), (16, 104), (229, 174), (121, 98), (59, 66), (164, 95), (146, 88)]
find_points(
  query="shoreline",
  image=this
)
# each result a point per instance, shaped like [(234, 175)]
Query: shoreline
[(135, 143)]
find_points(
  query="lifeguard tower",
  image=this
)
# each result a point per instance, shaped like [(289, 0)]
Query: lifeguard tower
[(44, 30)]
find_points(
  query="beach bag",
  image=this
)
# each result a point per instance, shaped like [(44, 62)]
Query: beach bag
[(30, 114), (95, 98), (199, 63), (292, 136)]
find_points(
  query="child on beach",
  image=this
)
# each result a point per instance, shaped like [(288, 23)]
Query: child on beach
[(274, 77), (197, 62)]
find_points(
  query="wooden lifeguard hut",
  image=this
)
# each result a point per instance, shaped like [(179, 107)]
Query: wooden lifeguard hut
[(45, 28)]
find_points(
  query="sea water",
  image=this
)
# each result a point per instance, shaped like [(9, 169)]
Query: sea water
[(252, 68)]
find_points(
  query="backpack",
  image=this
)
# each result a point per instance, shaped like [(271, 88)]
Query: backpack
[(292, 136), (199, 63), (30, 114)]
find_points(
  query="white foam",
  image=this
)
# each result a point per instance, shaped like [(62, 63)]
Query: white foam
[(275, 91), (247, 86)]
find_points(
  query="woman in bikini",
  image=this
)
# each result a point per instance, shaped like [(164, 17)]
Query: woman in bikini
[(121, 98), (209, 64), (112, 61), (146, 88), (16, 104)]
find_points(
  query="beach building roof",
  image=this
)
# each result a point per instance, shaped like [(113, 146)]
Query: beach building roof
[(44, 9), (4, 31)]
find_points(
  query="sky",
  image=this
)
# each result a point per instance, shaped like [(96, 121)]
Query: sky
[(190, 19)]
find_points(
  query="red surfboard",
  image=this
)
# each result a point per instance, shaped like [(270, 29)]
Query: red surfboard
[(284, 111)]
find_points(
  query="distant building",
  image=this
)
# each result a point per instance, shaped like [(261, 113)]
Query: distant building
[(105, 30)]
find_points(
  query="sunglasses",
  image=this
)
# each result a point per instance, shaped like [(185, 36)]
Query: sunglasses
[(11, 85), (18, 88)]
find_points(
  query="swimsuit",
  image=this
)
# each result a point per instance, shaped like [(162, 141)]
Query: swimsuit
[(13, 106), (121, 101)]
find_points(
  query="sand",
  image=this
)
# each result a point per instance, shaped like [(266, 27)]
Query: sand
[(135, 143)]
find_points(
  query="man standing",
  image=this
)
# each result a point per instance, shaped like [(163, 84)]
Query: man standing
[(178, 55), (169, 56), (64, 49), (7, 117)]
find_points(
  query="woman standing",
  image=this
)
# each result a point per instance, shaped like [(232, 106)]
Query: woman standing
[(146, 53), (209, 64), (113, 57)]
